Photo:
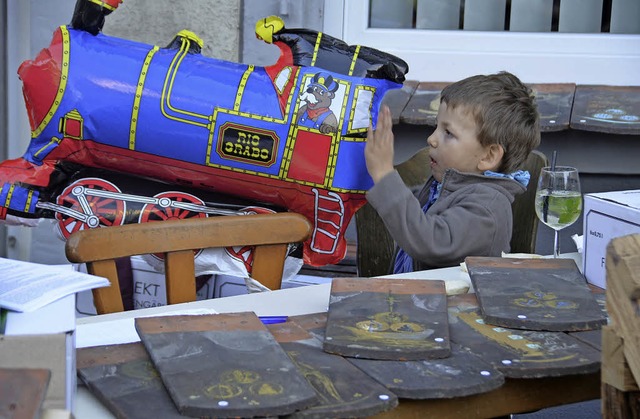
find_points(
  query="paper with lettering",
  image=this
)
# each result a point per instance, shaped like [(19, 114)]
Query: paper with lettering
[(27, 286)]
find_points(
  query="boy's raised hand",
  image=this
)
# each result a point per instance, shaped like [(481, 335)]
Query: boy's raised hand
[(378, 151)]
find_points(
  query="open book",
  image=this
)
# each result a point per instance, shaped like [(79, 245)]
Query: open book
[(27, 286)]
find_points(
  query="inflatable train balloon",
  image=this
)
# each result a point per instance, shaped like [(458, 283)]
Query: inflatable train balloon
[(125, 132)]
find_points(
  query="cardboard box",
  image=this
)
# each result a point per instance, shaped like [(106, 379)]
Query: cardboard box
[(148, 289), (227, 286), (607, 215), (301, 280), (44, 338)]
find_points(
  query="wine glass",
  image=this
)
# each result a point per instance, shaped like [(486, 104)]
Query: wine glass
[(558, 199)]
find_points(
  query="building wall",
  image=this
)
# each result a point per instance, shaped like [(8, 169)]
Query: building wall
[(157, 21), (295, 13)]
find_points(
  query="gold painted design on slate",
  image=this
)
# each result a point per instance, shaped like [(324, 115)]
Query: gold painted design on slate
[(391, 328), (142, 370), (537, 299), (244, 383), (530, 350)]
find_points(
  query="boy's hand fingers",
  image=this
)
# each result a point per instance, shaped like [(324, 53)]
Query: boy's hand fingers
[(384, 119)]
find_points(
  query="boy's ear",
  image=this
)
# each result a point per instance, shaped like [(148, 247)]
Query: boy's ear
[(492, 158)]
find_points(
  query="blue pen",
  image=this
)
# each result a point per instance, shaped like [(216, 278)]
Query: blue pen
[(272, 319)]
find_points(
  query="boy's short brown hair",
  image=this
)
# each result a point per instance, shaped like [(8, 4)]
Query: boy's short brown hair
[(505, 112)]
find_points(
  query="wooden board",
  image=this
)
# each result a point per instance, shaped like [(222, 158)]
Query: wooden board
[(615, 368), (343, 390), (22, 391), (518, 353), (554, 105), (621, 340), (619, 404), (397, 99), (460, 374), (610, 109), (124, 379), (534, 294), (594, 337), (515, 396), (423, 106), (392, 319), (314, 323), (223, 365), (623, 292)]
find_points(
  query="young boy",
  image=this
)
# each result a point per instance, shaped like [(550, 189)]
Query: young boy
[(486, 128)]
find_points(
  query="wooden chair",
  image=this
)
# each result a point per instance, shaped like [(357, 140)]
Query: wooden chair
[(270, 233), (525, 220), (376, 247)]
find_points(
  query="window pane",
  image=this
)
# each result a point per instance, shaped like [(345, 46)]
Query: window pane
[(547, 57), (625, 16), (531, 15), (484, 15), (438, 14), (391, 14), (580, 16)]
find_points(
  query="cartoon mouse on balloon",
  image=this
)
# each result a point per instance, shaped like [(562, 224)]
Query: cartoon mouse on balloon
[(316, 113)]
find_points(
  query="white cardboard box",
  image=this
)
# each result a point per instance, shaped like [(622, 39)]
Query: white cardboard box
[(44, 338), (148, 289), (607, 215), (149, 286)]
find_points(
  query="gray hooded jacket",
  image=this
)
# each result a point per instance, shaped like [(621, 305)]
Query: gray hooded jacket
[(471, 217)]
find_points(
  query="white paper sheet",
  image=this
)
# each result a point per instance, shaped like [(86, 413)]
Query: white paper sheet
[(115, 332), (27, 286)]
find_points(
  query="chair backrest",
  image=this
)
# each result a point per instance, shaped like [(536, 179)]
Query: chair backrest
[(525, 220), (269, 233), (376, 247)]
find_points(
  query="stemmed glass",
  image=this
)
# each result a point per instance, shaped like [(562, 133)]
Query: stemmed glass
[(558, 199)]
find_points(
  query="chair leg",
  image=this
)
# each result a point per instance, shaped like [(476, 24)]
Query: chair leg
[(106, 299), (180, 277), (268, 265)]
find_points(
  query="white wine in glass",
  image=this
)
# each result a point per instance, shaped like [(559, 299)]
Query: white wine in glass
[(558, 199)]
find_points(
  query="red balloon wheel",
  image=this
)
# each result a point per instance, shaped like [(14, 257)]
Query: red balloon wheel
[(257, 210), (163, 210), (105, 211), (244, 254)]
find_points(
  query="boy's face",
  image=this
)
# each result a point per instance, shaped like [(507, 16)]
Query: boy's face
[(454, 143)]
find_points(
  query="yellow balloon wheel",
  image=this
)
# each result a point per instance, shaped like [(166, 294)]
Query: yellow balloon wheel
[(267, 27), (185, 33)]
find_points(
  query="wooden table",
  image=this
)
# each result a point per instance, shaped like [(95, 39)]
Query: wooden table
[(608, 109), (515, 396), (621, 338)]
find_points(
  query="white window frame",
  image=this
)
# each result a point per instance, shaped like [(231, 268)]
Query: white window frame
[(437, 55)]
